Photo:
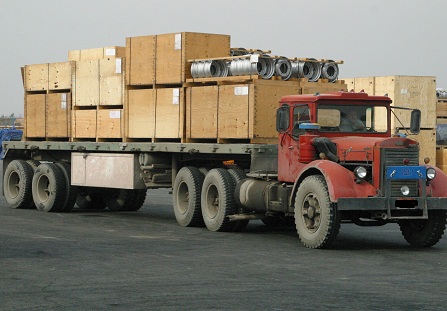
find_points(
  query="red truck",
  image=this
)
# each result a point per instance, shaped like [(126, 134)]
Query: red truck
[(336, 161)]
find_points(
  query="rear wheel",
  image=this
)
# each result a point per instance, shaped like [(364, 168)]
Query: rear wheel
[(317, 220), (424, 232), (218, 200), (49, 188), (86, 199), (118, 200), (138, 200), (17, 184), (186, 195), (72, 191)]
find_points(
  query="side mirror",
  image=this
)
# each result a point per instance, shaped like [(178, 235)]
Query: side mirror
[(415, 121), (282, 118)]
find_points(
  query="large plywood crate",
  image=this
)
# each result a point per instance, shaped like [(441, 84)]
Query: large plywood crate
[(86, 83), (60, 75), (58, 111), (109, 123), (321, 87), (405, 91), (83, 124), (170, 113), (36, 77), (441, 158), (175, 49), (201, 112), (140, 60), (97, 53), (140, 114), (248, 111), (35, 116), (427, 144), (111, 82)]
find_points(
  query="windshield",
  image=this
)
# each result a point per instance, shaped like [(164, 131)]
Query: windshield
[(352, 118)]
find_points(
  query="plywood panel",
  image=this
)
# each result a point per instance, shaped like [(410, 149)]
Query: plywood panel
[(87, 83), (84, 124), (201, 110), (58, 114), (109, 123), (111, 77), (169, 58), (141, 113), (140, 60), (169, 120), (35, 115), (427, 144), (320, 87), (59, 75), (366, 84), (233, 111), (36, 77)]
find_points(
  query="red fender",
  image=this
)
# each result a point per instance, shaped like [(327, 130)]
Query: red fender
[(438, 186), (340, 181)]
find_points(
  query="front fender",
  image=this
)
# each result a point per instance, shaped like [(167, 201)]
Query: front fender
[(340, 181), (437, 186)]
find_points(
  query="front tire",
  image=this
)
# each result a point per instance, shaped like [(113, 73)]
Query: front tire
[(218, 200), (17, 184), (424, 232), (186, 195), (316, 218)]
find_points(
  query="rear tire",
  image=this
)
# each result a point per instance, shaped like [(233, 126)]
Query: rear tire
[(49, 188), (138, 201), (90, 200), (72, 191), (218, 200), (424, 232), (186, 195), (118, 200), (17, 184)]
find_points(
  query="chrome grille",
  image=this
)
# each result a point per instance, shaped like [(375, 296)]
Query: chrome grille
[(395, 156)]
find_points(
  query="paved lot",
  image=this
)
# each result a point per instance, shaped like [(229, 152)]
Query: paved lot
[(98, 260)]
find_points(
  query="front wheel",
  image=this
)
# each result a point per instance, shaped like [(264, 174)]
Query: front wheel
[(424, 232), (316, 218)]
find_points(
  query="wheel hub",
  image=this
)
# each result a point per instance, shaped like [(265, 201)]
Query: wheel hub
[(311, 213)]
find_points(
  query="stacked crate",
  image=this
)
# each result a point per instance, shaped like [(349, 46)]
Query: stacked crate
[(441, 121), (47, 101), (157, 68), (98, 94), (411, 92)]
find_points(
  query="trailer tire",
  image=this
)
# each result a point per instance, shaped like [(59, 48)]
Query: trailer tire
[(218, 200), (118, 200), (17, 184), (90, 200), (138, 200), (49, 188), (72, 191), (238, 175), (186, 197), (424, 232), (316, 218)]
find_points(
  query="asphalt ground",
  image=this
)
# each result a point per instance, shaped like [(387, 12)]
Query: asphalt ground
[(101, 260)]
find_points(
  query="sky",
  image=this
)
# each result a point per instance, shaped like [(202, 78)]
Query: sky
[(373, 38)]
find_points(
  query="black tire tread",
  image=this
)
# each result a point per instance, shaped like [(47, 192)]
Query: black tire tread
[(24, 199)]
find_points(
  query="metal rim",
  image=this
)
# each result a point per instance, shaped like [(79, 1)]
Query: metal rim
[(13, 184), (311, 213), (212, 201), (43, 191), (183, 198)]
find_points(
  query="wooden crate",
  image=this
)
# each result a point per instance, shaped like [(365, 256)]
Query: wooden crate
[(58, 111), (248, 111), (111, 82), (140, 113), (441, 109), (86, 83), (84, 124), (60, 75), (320, 87), (201, 112), (109, 123), (35, 115), (170, 113), (36, 77), (427, 144), (140, 60), (97, 53), (441, 155), (175, 49)]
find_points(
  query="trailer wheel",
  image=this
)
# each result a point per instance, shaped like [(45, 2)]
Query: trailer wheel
[(186, 195), (90, 200), (424, 232), (237, 175), (317, 220), (17, 184), (138, 200), (72, 191), (118, 200), (218, 200), (49, 188)]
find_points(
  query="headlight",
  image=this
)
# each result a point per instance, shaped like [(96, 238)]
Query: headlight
[(360, 172), (405, 190), (431, 173)]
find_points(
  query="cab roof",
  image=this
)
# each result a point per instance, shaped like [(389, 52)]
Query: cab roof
[(341, 95)]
